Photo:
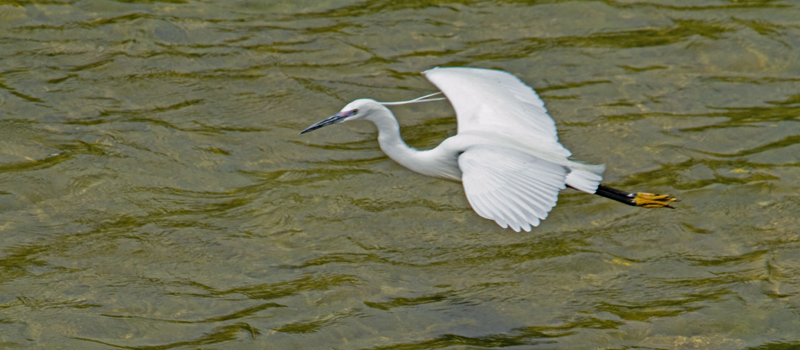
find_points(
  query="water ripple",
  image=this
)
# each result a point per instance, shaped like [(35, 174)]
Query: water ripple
[(153, 185)]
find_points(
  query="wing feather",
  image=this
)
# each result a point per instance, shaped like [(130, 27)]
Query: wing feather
[(497, 102), (513, 188)]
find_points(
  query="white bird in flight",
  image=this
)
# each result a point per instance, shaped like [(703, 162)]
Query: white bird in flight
[(506, 152)]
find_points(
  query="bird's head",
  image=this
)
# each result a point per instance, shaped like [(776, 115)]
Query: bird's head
[(358, 109)]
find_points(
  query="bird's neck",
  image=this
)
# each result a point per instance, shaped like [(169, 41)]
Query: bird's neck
[(389, 138), (436, 162)]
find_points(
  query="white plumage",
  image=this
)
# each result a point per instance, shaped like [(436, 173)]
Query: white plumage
[(506, 151), (516, 190)]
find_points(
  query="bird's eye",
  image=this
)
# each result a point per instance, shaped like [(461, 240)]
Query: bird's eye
[(354, 112)]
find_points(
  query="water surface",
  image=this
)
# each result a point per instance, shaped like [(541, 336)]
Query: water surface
[(154, 193)]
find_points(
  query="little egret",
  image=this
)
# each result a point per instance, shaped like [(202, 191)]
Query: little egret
[(506, 152)]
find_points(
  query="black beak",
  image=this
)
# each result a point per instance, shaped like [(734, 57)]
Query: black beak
[(338, 117)]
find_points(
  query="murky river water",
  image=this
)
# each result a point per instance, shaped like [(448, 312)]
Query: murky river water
[(155, 194)]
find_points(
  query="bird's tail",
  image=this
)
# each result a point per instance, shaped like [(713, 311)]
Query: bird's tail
[(585, 177)]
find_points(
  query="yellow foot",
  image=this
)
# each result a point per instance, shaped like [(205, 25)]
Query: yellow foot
[(650, 200)]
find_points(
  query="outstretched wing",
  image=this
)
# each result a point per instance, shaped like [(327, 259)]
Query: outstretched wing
[(496, 101), (510, 187)]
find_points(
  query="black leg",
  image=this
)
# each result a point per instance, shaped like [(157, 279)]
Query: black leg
[(638, 199), (615, 194)]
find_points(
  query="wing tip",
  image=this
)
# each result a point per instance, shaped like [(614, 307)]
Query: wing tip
[(425, 72)]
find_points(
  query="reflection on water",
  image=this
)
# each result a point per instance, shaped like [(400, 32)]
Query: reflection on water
[(154, 192)]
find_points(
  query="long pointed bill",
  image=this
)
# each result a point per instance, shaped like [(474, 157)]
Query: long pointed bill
[(338, 117)]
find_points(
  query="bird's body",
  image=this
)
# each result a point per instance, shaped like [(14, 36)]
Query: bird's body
[(442, 161), (506, 151)]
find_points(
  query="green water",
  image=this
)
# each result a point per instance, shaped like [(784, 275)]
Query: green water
[(155, 194)]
